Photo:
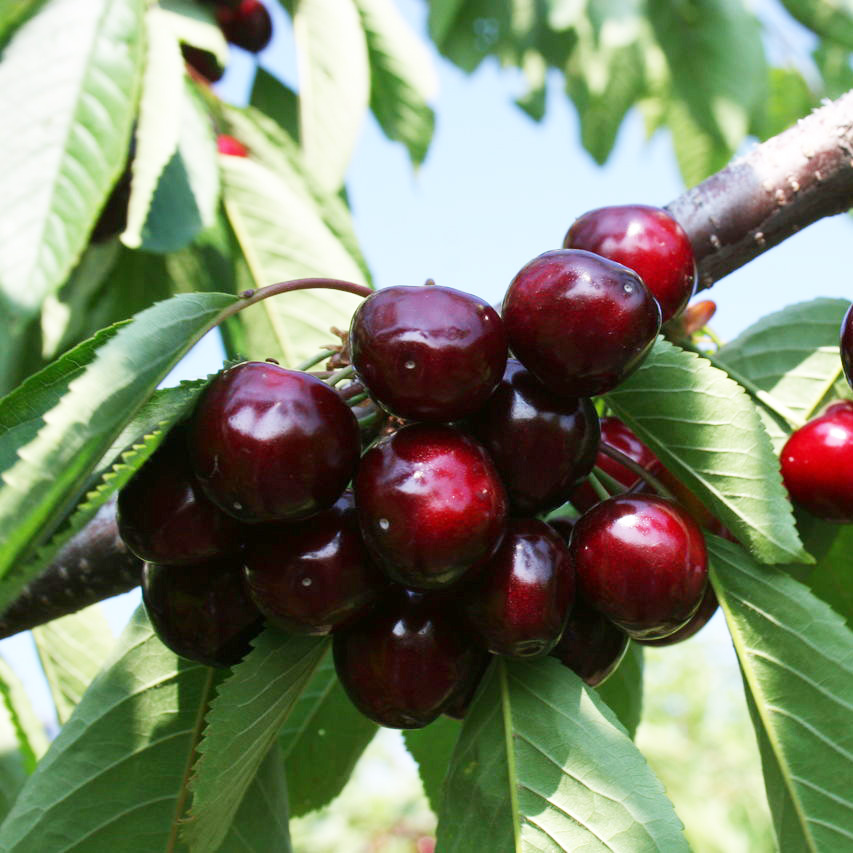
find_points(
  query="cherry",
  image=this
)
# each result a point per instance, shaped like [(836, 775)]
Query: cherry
[(707, 608), (457, 707), (616, 434), (428, 353), (408, 661), (312, 578), (591, 645), (163, 515), (847, 344), (246, 24), (817, 464), (641, 561), (229, 145), (579, 322), (203, 63), (647, 240), (201, 612), (518, 602), (430, 503), (270, 444), (542, 445)]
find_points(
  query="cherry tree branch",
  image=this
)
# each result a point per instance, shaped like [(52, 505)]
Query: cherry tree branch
[(755, 203)]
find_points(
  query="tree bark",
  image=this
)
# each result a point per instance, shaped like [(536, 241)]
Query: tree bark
[(759, 200)]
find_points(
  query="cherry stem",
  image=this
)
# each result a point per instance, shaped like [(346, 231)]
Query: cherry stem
[(314, 360), (339, 376), (599, 490), (642, 473), (370, 419), (610, 483), (358, 398)]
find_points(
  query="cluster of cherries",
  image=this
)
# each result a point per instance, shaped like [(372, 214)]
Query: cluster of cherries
[(244, 23)]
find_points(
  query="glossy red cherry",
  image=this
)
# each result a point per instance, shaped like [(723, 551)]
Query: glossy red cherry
[(246, 24), (202, 63), (647, 240), (312, 577), (847, 345), (817, 465), (428, 353), (707, 608), (430, 503), (579, 322), (163, 515), (616, 434), (591, 645), (518, 603), (542, 445), (201, 612), (272, 444), (641, 561), (232, 147), (407, 661)]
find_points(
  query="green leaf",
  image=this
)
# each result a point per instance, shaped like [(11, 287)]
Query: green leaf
[(66, 134), (796, 656), (243, 724), (623, 690), (277, 100), (283, 236), (699, 153), (706, 431), (789, 98), (13, 13), (72, 651), (12, 772), (195, 24), (543, 764), (29, 729), (334, 85), (833, 62), (432, 748), (402, 77), (321, 741), (118, 372), (832, 19), (119, 767)]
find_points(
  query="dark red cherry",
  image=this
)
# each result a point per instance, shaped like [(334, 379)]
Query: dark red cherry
[(430, 503), (707, 608), (616, 434), (542, 445), (579, 322), (428, 353), (246, 24), (458, 706), (163, 515), (203, 63), (518, 603), (847, 345), (817, 465), (202, 612), (272, 444), (647, 240), (641, 561), (591, 645), (229, 145), (312, 577), (407, 661)]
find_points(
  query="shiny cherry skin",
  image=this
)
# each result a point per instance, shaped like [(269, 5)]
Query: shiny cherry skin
[(641, 561), (616, 434), (817, 465), (201, 612), (579, 322), (246, 23), (431, 504), (591, 645), (312, 577), (542, 445), (847, 345), (163, 515), (518, 602), (406, 662), (428, 353), (270, 444), (229, 145), (203, 63), (707, 608), (649, 241)]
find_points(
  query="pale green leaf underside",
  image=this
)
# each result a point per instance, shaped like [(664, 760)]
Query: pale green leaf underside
[(242, 725), (796, 656), (707, 432), (65, 140), (543, 765), (195, 24)]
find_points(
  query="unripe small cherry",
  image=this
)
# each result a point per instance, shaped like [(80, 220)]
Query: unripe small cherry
[(230, 146)]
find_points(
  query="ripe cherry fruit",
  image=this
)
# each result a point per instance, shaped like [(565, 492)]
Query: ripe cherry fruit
[(579, 322), (707, 608), (246, 23), (847, 344), (229, 145), (641, 561), (272, 444)]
